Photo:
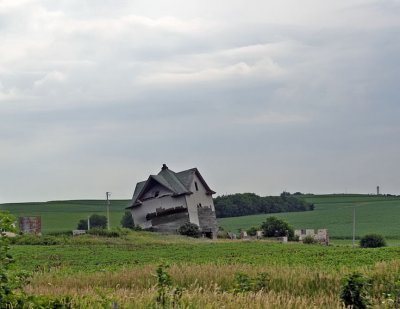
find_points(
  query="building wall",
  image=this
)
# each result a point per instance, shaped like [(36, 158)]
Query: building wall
[(208, 221), (321, 235), (139, 213), (199, 197)]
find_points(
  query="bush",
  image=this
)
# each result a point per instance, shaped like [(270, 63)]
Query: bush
[(82, 225), (189, 229), (104, 232), (244, 283), (355, 291), (96, 221), (60, 233), (28, 239), (127, 220), (372, 241), (274, 227), (252, 231), (309, 240)]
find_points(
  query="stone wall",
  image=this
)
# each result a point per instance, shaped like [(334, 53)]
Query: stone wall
[(170, 223), (208, 221)]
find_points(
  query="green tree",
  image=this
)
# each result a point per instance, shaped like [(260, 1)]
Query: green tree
[(96, 221), (127, 220), (82, 224), (275, 227)]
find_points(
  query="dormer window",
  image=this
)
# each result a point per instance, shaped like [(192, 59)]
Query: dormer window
[(195, 184), (157, 193)]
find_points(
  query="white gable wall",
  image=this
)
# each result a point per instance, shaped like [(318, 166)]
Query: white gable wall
[(156, 188), (199, 197)]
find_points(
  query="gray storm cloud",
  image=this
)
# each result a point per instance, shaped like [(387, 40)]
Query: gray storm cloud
[(261, 96)]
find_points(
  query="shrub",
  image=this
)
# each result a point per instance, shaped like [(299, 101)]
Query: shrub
[(29, 239), (274, 227), (96, 221), (252, 231), (168, 295), (189, 229), (372, 241), (104, 232), (82, 225), (309, 240), (355, 291), (244, 283), (60, 233), (127, 220)]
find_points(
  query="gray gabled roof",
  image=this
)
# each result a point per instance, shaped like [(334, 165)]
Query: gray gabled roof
[(177, 183)]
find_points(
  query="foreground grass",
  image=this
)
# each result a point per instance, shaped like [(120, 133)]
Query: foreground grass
[(90, 254), (211, 286), (95, 272)]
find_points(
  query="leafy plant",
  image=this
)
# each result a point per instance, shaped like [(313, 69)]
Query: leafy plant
[(355, 291), (372, 241), (392, 297), (252, 231), (96, 221), (309, 240), (127, 220), (9, 283), (168, 295), (189, 229), (244, 283), (275, 227)]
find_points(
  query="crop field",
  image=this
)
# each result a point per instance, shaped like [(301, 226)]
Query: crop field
[(99, 272), (149, 270), (374, 214), (64, 215)]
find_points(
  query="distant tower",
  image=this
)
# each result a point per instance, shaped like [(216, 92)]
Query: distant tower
[(377, 190)]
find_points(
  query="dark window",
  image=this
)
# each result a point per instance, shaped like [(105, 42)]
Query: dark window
[(195, 184), (157, 193)]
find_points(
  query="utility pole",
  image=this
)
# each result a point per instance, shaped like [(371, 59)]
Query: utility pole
[(88, 223), (108, 210), (354, 227)]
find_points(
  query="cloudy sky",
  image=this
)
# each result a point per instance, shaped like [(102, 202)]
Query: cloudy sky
[(262, 96)]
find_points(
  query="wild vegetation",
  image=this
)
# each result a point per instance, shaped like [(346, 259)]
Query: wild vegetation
[(100, 271)]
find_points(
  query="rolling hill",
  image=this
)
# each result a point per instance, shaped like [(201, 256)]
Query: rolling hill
[(374, 214)]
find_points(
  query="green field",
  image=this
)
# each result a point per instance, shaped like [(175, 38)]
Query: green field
[(99, 272), (64, 215), (374, 214)]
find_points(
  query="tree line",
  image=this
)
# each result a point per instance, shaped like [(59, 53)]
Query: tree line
[(243, 204)]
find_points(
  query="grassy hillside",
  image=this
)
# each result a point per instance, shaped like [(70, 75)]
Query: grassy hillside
[(374, 214), (64, 215), (378, 214)]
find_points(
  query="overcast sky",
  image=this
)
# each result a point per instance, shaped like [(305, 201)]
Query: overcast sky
[(261, 96)]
